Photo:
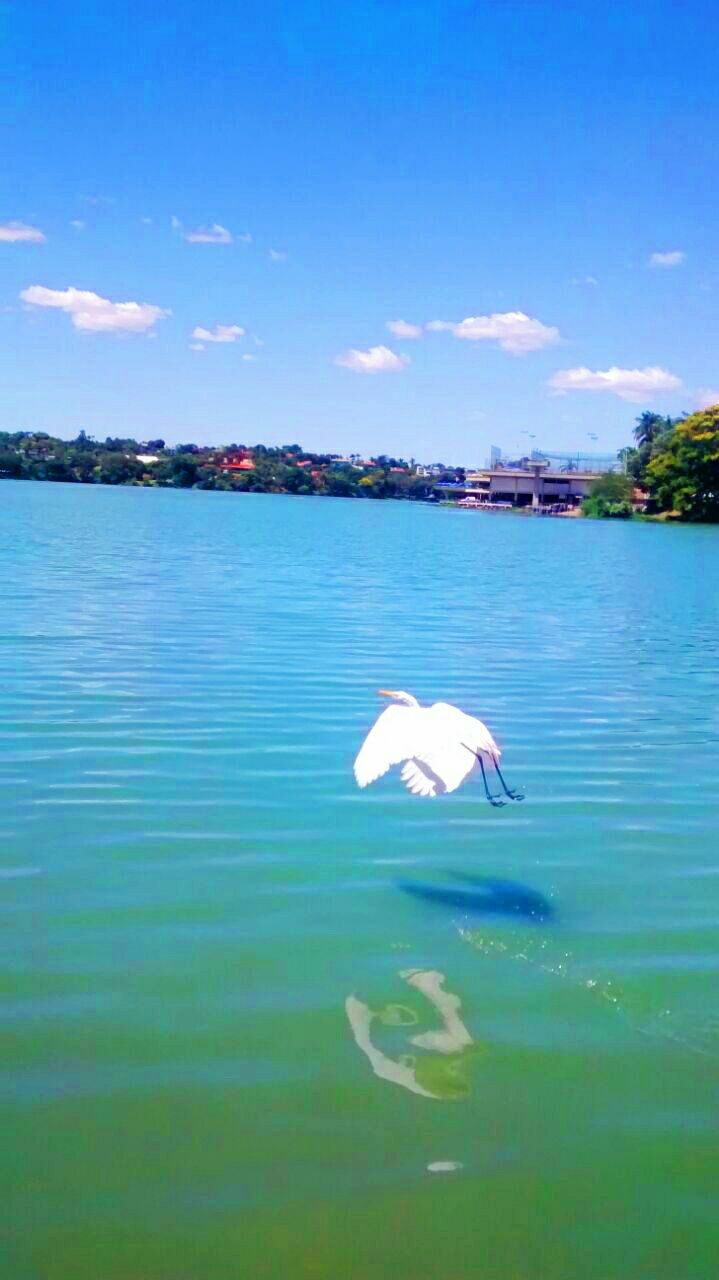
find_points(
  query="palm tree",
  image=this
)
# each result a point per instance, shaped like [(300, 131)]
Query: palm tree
[(649, 426)]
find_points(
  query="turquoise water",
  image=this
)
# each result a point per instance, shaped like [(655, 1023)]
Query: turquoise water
[(211, 981)]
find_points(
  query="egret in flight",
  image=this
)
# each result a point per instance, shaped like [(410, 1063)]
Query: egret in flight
[(438, 746)]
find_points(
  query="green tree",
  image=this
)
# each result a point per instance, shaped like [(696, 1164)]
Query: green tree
[(683, 475), (11, 464), (649, 426), (610, 497)]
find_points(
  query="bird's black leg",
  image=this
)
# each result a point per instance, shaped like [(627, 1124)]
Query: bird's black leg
[(513, 795), (494, 800)]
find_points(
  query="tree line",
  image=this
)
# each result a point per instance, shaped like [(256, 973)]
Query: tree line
[(674, 463), (286, 469)]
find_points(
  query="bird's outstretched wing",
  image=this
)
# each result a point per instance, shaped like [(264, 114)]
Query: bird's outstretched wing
[(453, 739), (395, 736)]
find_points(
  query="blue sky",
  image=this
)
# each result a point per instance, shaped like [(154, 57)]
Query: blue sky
[(505, 169)]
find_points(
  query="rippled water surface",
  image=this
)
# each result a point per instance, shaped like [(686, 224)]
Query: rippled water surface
[(217, 1002)]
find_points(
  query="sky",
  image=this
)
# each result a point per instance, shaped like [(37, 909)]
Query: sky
[(379, 226)]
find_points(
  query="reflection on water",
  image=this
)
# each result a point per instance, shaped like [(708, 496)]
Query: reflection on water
[(439, 1073), (646, 1013)]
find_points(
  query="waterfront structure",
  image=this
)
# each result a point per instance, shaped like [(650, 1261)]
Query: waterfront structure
[(533, 484)]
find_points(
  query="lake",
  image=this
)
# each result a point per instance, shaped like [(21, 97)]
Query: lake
[(213, 983)]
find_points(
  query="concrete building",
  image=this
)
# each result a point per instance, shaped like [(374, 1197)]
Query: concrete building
[(535, 484)]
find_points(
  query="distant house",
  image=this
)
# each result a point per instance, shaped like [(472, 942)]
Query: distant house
[(147, 458), (235, 463)]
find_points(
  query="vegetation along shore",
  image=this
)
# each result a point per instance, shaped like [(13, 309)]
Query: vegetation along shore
[(673, 464)]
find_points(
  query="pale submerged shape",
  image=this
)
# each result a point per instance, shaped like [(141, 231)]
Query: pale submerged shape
[(629, 384), (220, 333), (92, 313), (450, 1042), (437, 746), (20, 232), (215, 234), (513, 331), (375, 360), (402, 329), (672, 258)]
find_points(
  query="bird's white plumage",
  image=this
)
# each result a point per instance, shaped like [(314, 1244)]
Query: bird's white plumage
[(437, 746)]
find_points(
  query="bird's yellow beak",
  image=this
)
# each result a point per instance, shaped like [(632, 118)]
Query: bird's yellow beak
[(386, 693)]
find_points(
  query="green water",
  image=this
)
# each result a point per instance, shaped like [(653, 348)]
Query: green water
[(194, 895)]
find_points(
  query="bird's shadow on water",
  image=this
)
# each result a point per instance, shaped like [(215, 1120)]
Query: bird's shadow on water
[(485, 896)]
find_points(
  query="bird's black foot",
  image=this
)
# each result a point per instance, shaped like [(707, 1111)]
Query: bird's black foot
[(496, 802), (516, 795)]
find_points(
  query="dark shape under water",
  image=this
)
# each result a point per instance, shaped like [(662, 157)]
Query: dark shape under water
[(487, 896)]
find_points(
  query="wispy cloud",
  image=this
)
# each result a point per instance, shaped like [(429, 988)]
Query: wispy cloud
[(375, 360), (585, 280), (707, 397), (20, 232), (401, 329), (215, 234), (513, 331), (91, 313), (672, 258), (637, 385), (146, 222), (278, 255), (78, 224), (249, 357), (220, 333)]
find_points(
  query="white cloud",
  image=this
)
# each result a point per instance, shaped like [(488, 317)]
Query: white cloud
[(248, 356), (636, 385), (401, 329), (16, 232), (146, 222), (706, 397), (375, 360), (590, 280), (78, 224), (91, 313), (220, 333), (197, 346), (673, 258), (278, 255), (245, 237), (209, 235), (175, 223), (513, 331)]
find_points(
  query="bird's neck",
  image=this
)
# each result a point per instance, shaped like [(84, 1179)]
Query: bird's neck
[(407, 700)]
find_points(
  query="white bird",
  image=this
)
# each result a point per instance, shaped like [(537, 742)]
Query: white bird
[(439, 746)]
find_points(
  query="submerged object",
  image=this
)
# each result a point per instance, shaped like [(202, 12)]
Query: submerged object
[(485, 895), (440, 1070)]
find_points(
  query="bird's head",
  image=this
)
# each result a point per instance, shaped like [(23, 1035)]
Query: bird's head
[(398, 695)]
